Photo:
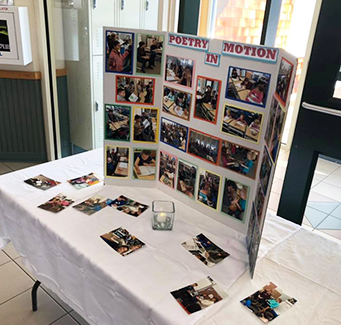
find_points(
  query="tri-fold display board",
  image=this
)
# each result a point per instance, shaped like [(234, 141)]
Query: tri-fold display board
[(201, 119)]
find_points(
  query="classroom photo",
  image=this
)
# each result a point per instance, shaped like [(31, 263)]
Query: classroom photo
[(144, 164), (208, 188), (167, 171), (174, 134), (271, 120), (117, 162), (265, 170), (283, 80), (176, 103), (187, 177), (117, 122), (145, 124), (277, 133), (179, 71), (259, 203)]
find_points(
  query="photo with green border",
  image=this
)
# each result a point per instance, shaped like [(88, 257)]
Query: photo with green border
[(188, 179), (147, 155), (117, 121)]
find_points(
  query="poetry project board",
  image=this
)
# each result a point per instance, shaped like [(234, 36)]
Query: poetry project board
[(200, 119)]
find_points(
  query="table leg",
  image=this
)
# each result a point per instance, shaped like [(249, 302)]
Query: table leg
[(34, 296)]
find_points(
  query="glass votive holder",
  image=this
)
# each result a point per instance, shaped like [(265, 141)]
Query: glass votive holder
[(163, 215)]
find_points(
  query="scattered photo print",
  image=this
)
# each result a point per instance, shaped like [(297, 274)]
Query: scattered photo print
[(283, 80), (58, 203), (254, 248), (277, 133), (84, 181), (167, 172), (199, 295), (205, 250), (239, 159), (253, 218), (117, 162), (187, 177), (177, 103), (117, 122), (179, 71), (4, 37), (265, 171), (93, 204), (272, 116), (208, 188), (145, 124), (122, 241), (248, 86), (242, 123), (268, 303), (259, 204), (119, 52), (128, 206), (174, 134), (42, 182), (203, 146), (207, 99), (144, 164)]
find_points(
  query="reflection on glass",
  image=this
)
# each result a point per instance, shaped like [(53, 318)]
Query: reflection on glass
[(337, 90)]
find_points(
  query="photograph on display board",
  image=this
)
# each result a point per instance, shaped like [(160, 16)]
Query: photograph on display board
[(84, 181), (254, 247), (187, 178), (199, 295), (174, 134), (179, 71), (239, 159), (205, 250), (177, 103), (144, 164), (208, 188), (203, 146), (235, 198), (207, 99), (277, 133), (41, 182), (119, 52), (149, 54), (93, 204), (259, 203), (265, 170), (117, 122), (128, 206), (268, 303), (135, 90), (242, 123), (167, 172), (145, 125), (58, 203), (283, 80), (271, 120), (4, 37), (117, 159), (253, 218), (248, 86)]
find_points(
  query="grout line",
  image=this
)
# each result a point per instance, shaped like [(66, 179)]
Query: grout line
[(73, 317), (9, 167), (54, 299), (58, 319), (24, 269), (14, 296)]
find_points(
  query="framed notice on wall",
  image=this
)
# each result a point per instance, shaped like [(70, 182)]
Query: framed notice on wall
[(8, 44)]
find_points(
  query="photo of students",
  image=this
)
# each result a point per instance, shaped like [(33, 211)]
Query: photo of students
[(253, 218), (235, 197), (4, 38), (272, 116), (203, 146), (259, 203), (179, 71), (173, 134), (239, 159), (117, 162), (119, 52), (177, 103), (207, 99), (265, 171), (135, 90), (242, 123), (248, 86), (145, 124), (277, 133), (208, 188), (283, 80), (149, 54), (144, 164), (167, 172), (187, 177), (117, 122)]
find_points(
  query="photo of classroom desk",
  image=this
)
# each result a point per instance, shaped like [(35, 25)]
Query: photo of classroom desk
[(117, 161), (251, 134), (145, 177), (144, 167), (122, 168), (177, 102), (207, 110), (235, 85), (171, 77)]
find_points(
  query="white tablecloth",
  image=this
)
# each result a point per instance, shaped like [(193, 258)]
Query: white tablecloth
[(66, 253)]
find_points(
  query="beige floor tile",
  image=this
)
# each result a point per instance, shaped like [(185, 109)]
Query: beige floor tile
[(307, 227), (4, 169), (4, 258), (320, 176), (280, 172), (327, 166), (315, 197), (19, 165), (306, 222), (58, 300), (65, 320), (277, 186), (21, 264), (331, 191), (334, 235), (333, 179), (274, 201), (78, 318), (11, 251)]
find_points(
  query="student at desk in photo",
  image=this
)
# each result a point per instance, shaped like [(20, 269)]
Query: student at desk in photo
[(256, 95), (142, 57), (138, 128), (144, 159), (186, 79), (206, 97)]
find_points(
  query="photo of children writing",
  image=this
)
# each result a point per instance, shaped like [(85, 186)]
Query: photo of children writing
[(247, 86), (207, 99), (144, 164), (167, 172), (173, 134), (265, 171), (135, 90), (187, 178), (58, 203), (235, 198), (208, 188), (117, 161), (277, 133), (117, 122), (119, 47), (177, 103), (271, 120), (179, 71), (145, 124), (149, 54), (283, 80), (239, 159)]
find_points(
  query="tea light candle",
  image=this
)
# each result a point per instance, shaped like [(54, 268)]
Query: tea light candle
[(162, 217)]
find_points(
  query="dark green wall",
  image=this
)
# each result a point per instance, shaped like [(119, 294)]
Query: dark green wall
[(189, 16)]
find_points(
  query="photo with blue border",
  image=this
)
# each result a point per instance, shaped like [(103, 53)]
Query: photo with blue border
[(173, 138)]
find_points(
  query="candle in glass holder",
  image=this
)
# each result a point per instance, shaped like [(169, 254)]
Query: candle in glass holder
[(163, 215)]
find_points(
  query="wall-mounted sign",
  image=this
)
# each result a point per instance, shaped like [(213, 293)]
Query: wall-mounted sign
[(192, 42)]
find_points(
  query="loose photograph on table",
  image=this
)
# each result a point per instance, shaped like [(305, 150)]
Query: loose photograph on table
[(208, 188), (145, 124), (283, 80), (248, 86), (268, 303), (239, 159), (144, 164), (179, 71), (235, 198), (187, 177), (174, 134), (277, 133), (122, 241), (119, 52), (203, 146), (135, 90), (84, 181), (93, 204), (149, 54), (58, 203), (117, 122), (242, 123), (207, 99), (259, 204), (41, 182), (272, 116), (117, 162), (205, 250), (128, 206), (265, 170), (167, 171), (177, 103), (253, 218), (199, 295)]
